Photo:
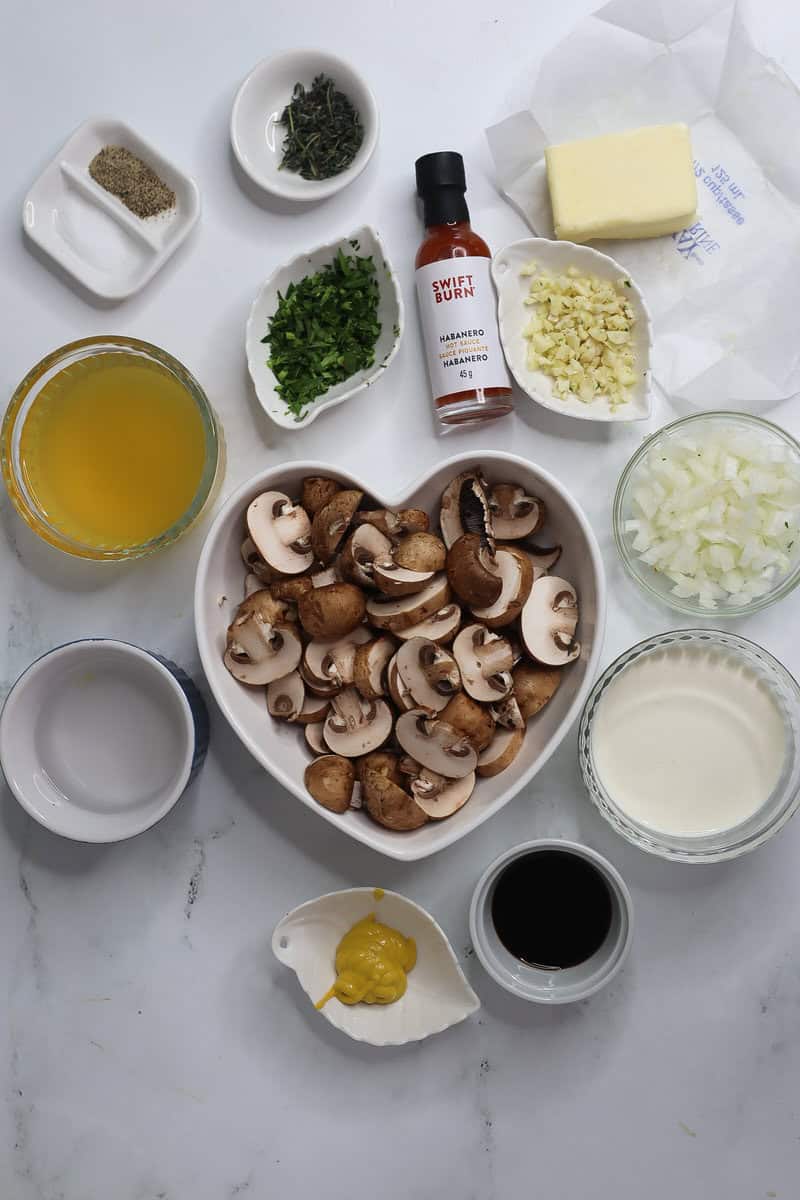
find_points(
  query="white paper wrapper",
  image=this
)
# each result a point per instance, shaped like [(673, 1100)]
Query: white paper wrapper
[(725, 292)]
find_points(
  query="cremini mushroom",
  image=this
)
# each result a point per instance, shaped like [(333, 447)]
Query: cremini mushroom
[(440, 797), (328, 665), (315, 739), (534, 686), (429, 673), (395, 525), (442, 627), (399, 693), (317, 491), (261, 644), (472, 571), (285, 696), (332, 522), (514, 513), (398, 613), (255, 563), (394, 580), (410, 565), (485, 660), (314, 710), (507, 712), (549, 620), (331, 611), (330, 781), (501, 752), (435, 744), (472, 719), (369, 667), (281, 532), (421, 552), (355, 726), (516, 579), (363, 547), (465, 508), (385, 798)]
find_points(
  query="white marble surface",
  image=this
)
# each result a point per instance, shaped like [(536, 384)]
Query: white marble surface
[(151, 1049)]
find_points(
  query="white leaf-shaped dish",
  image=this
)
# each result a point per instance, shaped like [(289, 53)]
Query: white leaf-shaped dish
[(513, 316), (363, 241), (437, 996)]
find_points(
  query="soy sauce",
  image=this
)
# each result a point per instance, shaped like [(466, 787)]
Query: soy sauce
[(551, 909)]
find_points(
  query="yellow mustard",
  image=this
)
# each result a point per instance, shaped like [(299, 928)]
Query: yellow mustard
[(372, 962)]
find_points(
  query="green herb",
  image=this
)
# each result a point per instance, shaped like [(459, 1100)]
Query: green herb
[(324, 330), (323, 131), (627, 282)]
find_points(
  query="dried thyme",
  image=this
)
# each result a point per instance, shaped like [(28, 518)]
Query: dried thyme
[(323, 130)]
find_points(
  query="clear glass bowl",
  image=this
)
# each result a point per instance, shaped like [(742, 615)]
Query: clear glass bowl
[(763, 824), (20, 405), (653, 582)]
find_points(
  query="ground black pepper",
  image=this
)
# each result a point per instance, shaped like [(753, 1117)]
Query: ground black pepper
[(136, 184)]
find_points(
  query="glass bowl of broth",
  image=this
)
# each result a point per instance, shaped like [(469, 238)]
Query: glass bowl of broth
[(110, 449)]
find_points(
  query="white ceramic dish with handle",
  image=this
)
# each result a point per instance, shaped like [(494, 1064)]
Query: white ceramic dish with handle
[(437, 995), (281, 748), (513, 316), (363, 241)]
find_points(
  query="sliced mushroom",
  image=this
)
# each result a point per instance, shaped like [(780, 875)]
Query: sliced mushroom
[(421, 552), (285, 696), (401, 613), (369, 667), (401, 697), (501, 752), (314, 710), (356, 726), (318, 490), (261, 644), (385, 799), (329, 665), (549, 620), (281, 532), (542, 559), (534, 686), (516, 579), (255, 563), (472, 571), (395, 525), (485, 660), (394, 580), (514, 513), (365, 544), (315, 739), (465, 508), (435, 744), (472, 719), (430, 674), (440, 797), (507, 712), (330, 781), (291, 589), (332, 522), (441, 627), (331, 611)]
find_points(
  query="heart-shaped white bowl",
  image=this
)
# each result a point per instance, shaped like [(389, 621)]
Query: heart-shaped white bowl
[(281, 748)]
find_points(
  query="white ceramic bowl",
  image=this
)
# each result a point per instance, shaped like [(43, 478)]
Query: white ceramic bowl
[(536, 983), (99, 739), (280, 748), (513, 316), (390, 314), (437, 995), (257, 138)]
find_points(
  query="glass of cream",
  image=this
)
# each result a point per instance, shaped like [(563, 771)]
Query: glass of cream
[(689, 743)]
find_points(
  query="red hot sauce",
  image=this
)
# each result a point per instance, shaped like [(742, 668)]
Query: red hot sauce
[(457, 303)]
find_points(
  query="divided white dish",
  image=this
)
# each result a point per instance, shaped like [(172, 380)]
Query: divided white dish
[(90, 233), (437, 995), (513, 316), (364, 241), (280, 748)]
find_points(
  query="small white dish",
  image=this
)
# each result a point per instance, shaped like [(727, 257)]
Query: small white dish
[(363, 241), (99, 739), (537, 983), (283, 751), (437, 995), (257, 136), (89, 232), (513, 316)]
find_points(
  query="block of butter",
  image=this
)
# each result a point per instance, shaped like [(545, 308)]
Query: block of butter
[(636, 184)]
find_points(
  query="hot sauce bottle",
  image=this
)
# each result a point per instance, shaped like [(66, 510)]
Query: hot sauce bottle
[(457, 303)]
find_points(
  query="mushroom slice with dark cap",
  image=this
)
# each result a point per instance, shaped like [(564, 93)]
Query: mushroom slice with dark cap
[(281, 532)]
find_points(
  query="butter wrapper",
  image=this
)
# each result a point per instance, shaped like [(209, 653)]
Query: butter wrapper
[(724, 293)]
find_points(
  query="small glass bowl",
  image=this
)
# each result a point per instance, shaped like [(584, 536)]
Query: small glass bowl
[(764, 823), (20, 405), (653, 582)]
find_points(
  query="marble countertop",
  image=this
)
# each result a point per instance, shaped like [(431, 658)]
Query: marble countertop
[(152, 1048)]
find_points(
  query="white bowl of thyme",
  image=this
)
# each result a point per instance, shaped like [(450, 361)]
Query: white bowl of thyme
[(304, 125), (324, 326)]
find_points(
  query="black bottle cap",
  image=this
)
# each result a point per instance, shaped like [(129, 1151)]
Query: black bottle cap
[(441, 183)]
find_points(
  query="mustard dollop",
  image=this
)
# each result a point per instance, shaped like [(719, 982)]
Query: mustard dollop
[(372, 963)]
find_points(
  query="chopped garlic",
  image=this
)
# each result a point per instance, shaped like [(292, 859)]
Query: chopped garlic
[(580, 334)]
